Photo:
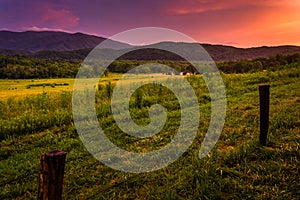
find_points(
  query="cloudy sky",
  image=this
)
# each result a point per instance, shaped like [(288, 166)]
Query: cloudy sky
[(239, 23)]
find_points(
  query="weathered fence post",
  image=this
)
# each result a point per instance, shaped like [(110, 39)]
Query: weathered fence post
[(52, 166), (264, 100)]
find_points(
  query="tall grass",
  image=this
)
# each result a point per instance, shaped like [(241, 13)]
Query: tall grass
[(34, 113), (237, 168)]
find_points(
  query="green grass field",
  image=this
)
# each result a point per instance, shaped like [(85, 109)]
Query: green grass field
[(20, 88), (237, 168)]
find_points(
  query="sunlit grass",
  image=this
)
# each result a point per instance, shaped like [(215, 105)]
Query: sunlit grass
[(237, 168), (20, 88)]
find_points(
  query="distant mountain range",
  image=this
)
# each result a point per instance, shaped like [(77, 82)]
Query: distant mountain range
[(51, 44), (34, 41)]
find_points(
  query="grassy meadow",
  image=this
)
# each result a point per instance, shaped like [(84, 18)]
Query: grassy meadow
[(38, 119), (10, 88), (20, 88)]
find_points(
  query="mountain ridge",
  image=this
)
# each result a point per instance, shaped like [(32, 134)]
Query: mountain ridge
[(35, 41), (78, 45)]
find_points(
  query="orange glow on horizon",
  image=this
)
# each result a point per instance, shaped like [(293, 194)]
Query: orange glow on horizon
[(264, 25)]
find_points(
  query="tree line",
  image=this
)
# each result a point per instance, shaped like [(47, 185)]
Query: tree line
[(261, 63), (27, 67)]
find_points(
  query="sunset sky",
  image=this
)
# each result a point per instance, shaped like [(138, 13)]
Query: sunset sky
[(238, 23)]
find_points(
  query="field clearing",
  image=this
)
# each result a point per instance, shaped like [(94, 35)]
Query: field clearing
[(237, 168), (18, 88)]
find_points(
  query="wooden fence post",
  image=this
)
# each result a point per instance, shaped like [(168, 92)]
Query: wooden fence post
[(264, 100), (51, 175)]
